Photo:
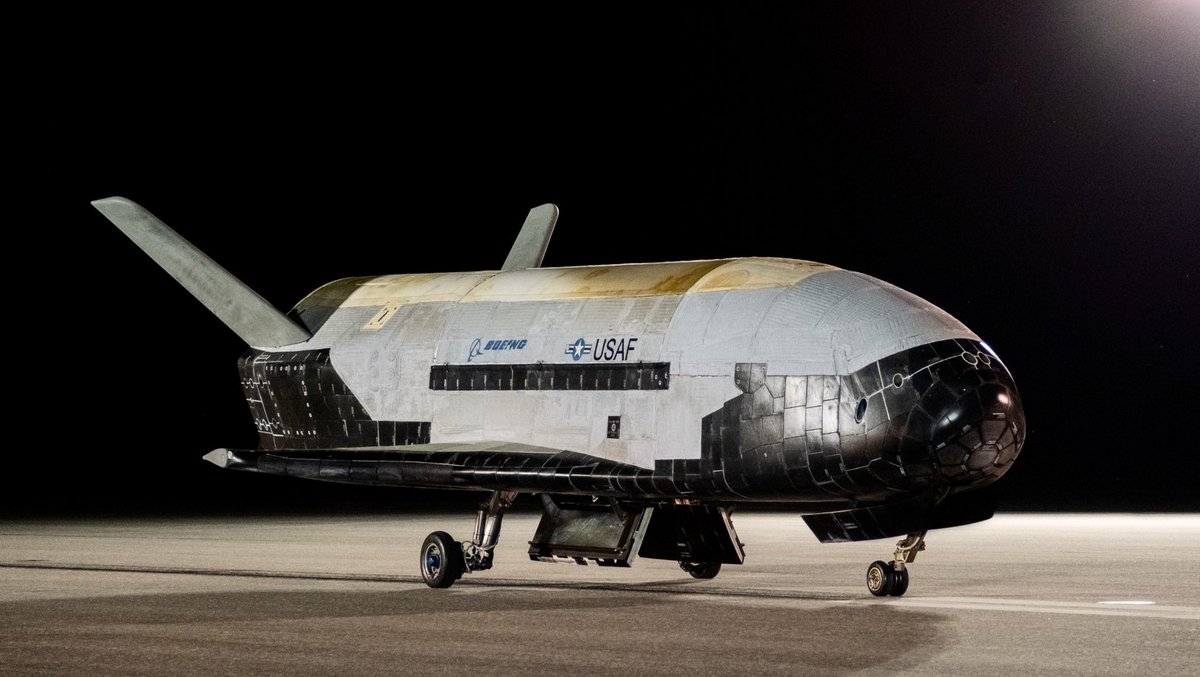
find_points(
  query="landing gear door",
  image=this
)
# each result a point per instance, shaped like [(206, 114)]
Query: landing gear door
[(692, 533), (581, 530)]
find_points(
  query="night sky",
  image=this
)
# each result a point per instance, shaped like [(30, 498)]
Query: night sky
[(1035, 172)]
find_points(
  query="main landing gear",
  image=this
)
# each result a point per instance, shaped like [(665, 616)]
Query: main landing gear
[(701, 569), (891, 578), (444, 560)]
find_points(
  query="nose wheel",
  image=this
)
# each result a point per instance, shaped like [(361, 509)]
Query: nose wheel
[(883, 579), (891, 578)]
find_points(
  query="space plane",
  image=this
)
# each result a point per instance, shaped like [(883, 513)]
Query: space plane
[(642, 403)]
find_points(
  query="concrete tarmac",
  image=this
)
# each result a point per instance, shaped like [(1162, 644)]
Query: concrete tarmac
[(1020, 594)]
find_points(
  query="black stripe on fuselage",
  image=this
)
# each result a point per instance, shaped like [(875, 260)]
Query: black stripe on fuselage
[(604, 376)]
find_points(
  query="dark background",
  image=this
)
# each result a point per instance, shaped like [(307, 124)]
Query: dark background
[(1034, 171)]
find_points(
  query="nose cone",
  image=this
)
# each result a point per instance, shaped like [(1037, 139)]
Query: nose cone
[(973, 415)]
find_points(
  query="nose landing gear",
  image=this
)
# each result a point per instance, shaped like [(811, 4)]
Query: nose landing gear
[(444, 560), (891, 578)]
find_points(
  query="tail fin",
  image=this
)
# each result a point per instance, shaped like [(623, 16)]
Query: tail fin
[(257, 322), (531, 243)]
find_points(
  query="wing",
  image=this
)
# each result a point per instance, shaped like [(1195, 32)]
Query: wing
[(479, 466)]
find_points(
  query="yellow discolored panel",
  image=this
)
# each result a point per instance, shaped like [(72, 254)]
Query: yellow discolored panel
[(758, 273), (638, 279), (415, 288), (582, 282)]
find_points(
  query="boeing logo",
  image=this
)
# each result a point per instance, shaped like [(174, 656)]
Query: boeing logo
[(478, 347), (602, 349)]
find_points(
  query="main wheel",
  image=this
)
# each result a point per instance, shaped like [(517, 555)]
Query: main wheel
[(881, 578), (701, 569), (441, 560), (900, 586)]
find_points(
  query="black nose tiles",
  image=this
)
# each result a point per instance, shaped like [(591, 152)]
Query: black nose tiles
[(978, 421)]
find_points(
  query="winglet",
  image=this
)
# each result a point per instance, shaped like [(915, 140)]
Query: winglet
[(249, 315), (530, 247), (226, 458), (218, 457)]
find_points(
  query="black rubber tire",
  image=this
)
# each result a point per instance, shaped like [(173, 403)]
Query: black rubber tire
[(701, 569), (900, 585), (881, 577), (441, 560)]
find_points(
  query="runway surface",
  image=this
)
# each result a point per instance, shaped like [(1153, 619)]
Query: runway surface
[(1020, 594)]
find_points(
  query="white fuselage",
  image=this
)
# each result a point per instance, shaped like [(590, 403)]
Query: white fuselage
[(701, 317)]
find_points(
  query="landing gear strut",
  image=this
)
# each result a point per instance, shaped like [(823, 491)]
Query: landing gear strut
[(444, 560), (891, 578)]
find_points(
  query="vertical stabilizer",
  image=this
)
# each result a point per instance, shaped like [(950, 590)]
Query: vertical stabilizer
[(257, 322), (534, 238)]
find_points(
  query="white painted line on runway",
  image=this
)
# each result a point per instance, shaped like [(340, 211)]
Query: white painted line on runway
[(1131, 602), (1050, 607)]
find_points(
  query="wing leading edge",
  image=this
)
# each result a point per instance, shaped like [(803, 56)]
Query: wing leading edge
[(486, 466)]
